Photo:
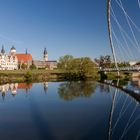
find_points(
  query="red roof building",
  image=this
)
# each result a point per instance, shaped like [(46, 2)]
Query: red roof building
[(24, 58)]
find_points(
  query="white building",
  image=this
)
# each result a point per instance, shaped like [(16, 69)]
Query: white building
[(132, 63), (8, 61)]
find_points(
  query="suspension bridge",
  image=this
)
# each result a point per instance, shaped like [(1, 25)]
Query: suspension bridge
[(124, 35)]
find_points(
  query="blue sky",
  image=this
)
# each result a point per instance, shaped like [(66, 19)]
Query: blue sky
[(76, 27)]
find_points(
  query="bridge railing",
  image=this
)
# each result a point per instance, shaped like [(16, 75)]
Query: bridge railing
[(134, 68)]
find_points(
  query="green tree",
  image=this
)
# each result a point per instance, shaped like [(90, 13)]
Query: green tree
[(65, 62), (33, 66), (28, 76), (24, 66), (77, 68), (84, 67), (103, 61)]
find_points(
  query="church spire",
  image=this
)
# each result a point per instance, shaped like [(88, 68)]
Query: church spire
[(26, 52), (2, 50), (45, 51), (45, 55)]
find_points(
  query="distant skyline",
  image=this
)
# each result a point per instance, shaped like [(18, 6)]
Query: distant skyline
[(75, 27)]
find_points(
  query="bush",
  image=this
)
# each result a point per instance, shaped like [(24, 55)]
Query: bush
[(24, 66), (33, 66), (28, 76)]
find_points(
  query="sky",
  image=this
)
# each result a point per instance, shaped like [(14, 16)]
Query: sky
[(75, 27)]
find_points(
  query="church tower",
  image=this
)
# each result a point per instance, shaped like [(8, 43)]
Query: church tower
[(45, 55)]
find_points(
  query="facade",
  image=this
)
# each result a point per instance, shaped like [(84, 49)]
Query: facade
[(45, 64), (8, 61)]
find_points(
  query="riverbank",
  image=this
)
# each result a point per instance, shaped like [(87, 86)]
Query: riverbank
[(13, 76), (7, 76), (114, 75), (30, 75)]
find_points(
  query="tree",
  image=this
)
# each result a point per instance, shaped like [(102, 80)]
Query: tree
[(64, 62), (33, 66), (103, 61), (24, 66), (77, 68)]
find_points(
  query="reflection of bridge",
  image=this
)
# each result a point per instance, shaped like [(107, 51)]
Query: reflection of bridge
[(130, 122)]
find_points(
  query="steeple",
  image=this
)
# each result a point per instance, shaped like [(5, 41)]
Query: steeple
[(45, 55), (2, 50), (45, 51), (26, 52)]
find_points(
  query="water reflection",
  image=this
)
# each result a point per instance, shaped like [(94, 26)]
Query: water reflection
[(45, 87), (71, 90), (14, 87), (69, 110)]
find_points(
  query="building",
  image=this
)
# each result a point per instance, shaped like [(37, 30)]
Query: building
[(8, 61), (45, 63), (132, 63), (14, 60), (24, 58)]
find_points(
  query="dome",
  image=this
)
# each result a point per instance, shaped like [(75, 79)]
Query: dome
[(13, 49)]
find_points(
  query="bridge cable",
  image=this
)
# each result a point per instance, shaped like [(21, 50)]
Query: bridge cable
[(126, 127), (122, 49), (122, 34), (127, 19)]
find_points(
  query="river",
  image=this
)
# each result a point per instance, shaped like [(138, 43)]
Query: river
[(68, 111)]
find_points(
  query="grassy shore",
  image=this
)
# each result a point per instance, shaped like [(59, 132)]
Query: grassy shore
[(21, 72), (113, 75), (9, 76)]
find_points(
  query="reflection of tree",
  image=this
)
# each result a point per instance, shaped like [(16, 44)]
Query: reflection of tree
[(71, 90)]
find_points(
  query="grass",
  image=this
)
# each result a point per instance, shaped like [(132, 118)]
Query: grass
[(9, 76), (113, 75), (18, 72)]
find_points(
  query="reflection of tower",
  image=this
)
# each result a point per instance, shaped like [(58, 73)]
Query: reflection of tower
[(45, 87), (45, 55), (13, 88), (3, 95)]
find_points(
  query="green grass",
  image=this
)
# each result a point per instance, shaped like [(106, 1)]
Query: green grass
[(14, 72)]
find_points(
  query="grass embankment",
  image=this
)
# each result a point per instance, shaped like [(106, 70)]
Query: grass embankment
[(8, 76), (114, 75)]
